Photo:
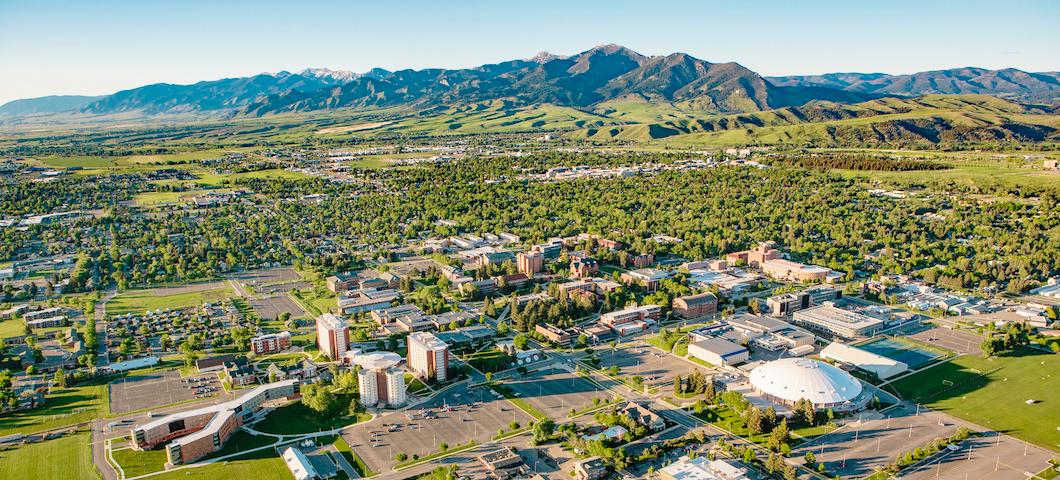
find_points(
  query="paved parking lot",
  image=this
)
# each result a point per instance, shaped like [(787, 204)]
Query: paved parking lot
[(140, 392), (956, 340), (988, 457), (555, 391), (422, 436), (656, 366), (856, 450), (270, 308)]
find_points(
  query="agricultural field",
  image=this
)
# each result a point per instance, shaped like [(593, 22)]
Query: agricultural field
[(993, 393), (66, 458)]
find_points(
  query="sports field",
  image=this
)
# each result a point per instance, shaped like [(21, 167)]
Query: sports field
[(140, 301), (66, 458), (904, 351), (994, 392)]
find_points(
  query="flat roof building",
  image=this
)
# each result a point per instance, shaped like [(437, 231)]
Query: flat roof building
[(836, 321), (703, 468), (199, 432), (717, 351), (333, 335), (428, 356), (878, 365)]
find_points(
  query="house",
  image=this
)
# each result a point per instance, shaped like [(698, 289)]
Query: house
[(239, 373), (643, 416)]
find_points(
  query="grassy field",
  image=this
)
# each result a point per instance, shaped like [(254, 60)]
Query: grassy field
[(726, 418), (136, 462), (996, 400), (66, 458), (11, 328), (297, 418), (261, 465), (139, 301), (68, 406)]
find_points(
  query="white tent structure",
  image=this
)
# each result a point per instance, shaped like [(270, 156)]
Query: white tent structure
[(879, 365)]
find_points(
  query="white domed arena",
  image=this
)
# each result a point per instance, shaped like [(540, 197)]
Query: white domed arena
[(790, 379)]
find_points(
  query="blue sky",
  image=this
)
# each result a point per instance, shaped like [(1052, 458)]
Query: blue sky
[(101, 46)]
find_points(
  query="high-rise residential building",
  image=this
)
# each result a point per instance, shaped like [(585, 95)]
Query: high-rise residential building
[(428, 356), (530, 263), (380, 382), (333, 335)]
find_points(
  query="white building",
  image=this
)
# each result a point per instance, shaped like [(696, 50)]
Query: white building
[(380, 382), (717, 351), (703, 468), (299, 464), (879, 365), (428, 356)]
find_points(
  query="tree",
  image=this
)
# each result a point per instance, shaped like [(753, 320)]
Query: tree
[(318, 397), (543, 430), (401, 456), (754, 421), (60, 378), (443, 446), (521, 340)]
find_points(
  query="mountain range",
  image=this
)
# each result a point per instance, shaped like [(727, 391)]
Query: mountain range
[(606, 73)]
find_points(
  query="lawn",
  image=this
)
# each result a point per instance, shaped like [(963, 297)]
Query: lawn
[(491, 361), (261, 465), (140, 301), (728, 419), (996, 400), (64, 407), (66, 458), (241, 441), (297, 418), (140, 462), (12, 328)]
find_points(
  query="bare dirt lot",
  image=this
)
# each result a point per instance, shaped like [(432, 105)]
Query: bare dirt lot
[(270, 308), (139, 392), (422, 436)]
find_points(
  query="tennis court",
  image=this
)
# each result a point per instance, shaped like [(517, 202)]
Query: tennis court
[(903, 351)]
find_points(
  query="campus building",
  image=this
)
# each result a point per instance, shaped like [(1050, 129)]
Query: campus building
[(380, 382), (647, 278), (717, 351), (798, 272), (270, 343), (879, 365), (581, 267), (333, 335), (828, 318), (197, 433), (789, 380), (788, 303), (703, 468), (428, 356), (755, 257), (692, 307), (631, 320), (530, 263)]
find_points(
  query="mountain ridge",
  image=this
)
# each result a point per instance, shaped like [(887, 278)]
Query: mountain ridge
[(601, 74)]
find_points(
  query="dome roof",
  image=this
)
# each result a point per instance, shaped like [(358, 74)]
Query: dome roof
[(377, 360), (794, 378)]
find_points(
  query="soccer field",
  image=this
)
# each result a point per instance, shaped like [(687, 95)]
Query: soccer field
[(994, 392)]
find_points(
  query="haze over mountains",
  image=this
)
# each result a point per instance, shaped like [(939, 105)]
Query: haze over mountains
[(601, 74)]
